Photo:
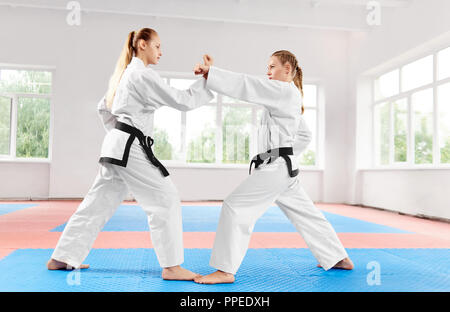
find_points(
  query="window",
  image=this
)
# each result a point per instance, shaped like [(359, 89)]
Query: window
[(167, 133), (444, 64), (201, 135), (412, 123), (382, 132), (308, 157), (444, 122), (220, 132), (417, 73), (236, 132), (400, 128), (387, 85), (5, 124), (422, 103), (24, 113)]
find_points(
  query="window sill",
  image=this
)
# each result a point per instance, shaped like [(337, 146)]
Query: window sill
[(25, 160), (204, 165), (222, 166), (441, 167)]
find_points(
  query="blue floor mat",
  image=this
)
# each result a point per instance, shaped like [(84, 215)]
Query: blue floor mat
[(7, 208), (205, 219), (273, 270)]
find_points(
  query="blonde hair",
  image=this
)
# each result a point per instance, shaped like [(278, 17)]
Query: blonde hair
[(286, 56), (128, 51)]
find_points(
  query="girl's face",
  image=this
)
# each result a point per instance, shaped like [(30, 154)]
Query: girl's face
[(151, 50), (278, 71)]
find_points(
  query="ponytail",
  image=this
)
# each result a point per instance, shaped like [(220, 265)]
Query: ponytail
[(125, 58), (128, 51), (286, 56), (298, 81)]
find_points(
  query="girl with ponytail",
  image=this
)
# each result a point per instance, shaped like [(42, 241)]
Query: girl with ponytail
[(128, 163), (282, 137)]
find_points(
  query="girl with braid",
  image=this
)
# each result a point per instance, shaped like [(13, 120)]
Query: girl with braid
[(127, 162), (283, 135)]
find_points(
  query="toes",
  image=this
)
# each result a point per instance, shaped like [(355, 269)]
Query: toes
[(199, 280)]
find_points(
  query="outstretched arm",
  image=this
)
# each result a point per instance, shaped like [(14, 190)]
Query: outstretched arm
[(241, 86), (154, 90)]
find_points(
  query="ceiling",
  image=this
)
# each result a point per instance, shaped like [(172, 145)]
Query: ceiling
[(341, 15)]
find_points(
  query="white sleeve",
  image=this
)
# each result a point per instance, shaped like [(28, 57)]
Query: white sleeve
[(244, 87), (154, 90), (302, 138), (107, 118)]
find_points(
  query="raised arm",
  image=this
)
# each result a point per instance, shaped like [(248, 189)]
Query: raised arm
[(154, 90), (244, 87)]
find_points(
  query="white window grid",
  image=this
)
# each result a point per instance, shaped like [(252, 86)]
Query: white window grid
[(410, 162), (219, 135), (14, 97)]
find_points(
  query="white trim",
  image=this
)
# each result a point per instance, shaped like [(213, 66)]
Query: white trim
[(10, 123), (27, 95), (391, 133), (51, 121), (175, 164), (317, 108), (373, 152), (436, 149), (24, 160), (415, 168), (28, 67), (411, 156), (253, 144), (219, 132), (170, 164), (13, 132), (415, 90)]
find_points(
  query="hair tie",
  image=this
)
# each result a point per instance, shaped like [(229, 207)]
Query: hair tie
[(133, 33)]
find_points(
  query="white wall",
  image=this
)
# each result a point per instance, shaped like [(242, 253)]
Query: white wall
[(84, 58), (404, 34), (24, 180), (416, 192)]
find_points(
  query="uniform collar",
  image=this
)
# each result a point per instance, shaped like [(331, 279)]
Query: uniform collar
[(136, 62)]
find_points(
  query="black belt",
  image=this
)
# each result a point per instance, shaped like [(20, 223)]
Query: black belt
[(273, 154), (146, 142)]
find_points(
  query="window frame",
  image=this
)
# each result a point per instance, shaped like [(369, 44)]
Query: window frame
[(12, 157), (219, 116), (407, 95)]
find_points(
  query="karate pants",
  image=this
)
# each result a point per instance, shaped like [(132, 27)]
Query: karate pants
[(248, 202), (156, 194)]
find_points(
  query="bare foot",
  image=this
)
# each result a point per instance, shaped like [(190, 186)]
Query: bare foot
[(218, 277), (344, 264), (53, 264), (178, 273)]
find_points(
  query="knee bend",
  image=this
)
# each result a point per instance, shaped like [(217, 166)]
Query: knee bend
[(230, 207)]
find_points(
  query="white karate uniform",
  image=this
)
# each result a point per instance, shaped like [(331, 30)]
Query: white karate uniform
[(282, 125), (140, 92)]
